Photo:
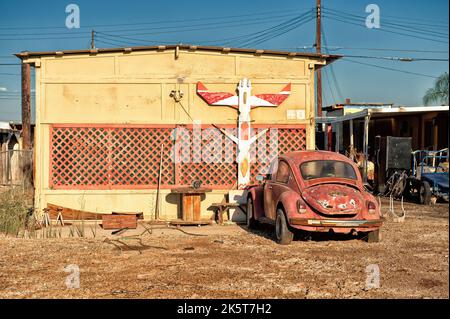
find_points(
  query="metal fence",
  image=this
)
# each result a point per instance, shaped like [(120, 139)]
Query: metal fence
[(16, 168)]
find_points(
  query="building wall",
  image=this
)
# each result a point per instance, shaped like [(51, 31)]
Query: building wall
[(134, 89)]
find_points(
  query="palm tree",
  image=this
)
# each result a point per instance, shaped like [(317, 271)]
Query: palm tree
[(438, 93)]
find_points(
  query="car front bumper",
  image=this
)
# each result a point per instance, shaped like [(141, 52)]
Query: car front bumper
[(336, 223)]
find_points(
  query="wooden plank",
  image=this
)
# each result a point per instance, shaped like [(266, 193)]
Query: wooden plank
[(115, 221), (187, 207), (196, 207), (71, 214)]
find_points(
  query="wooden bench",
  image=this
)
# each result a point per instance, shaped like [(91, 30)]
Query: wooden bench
[(223, 208)]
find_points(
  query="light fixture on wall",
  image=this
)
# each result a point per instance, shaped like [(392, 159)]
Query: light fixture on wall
[(177, 95)]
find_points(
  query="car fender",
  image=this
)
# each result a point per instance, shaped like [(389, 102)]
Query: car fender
[(369, 197), (256, 193), (288, 200)]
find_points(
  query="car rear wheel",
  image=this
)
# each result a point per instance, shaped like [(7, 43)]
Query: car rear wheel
[(283, 234), (374, 236), (251, 222), (425, 193)]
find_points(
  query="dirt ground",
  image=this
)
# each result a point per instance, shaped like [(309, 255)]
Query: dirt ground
[(231, 262)]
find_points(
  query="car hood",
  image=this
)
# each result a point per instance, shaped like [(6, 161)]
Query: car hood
[(334, 199)]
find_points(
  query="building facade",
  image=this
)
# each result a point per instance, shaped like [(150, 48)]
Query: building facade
[(106, 117)]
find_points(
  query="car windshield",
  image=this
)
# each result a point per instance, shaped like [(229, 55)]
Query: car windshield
[(325, 169)]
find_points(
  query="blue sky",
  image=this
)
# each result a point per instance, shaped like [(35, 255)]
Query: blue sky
[(40, 25)]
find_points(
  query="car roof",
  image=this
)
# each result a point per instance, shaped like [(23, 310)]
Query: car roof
[(305, 156)]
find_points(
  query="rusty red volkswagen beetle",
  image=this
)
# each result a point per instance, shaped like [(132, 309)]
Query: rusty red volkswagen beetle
[(314, 191)]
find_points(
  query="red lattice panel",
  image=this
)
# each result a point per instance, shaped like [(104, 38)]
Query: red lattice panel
[(110, 157), (80, 157), (135, 156), (120, 157), (212, 159), (275, 142)]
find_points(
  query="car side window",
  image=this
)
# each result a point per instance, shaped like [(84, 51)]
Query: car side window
[(273, 170), (283, 172)]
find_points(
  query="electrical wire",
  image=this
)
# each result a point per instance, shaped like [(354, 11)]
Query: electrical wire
[(385, 29), (329, 85), (335, 81), (388, 68), (284, 27), (401, 59), (252, 36), (336, 48), (279, 33), (158, 22), (405, 27)]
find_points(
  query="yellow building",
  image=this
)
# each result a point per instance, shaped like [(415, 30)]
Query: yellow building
[(103, 116)]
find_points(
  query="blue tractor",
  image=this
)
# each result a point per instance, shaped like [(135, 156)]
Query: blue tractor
[(429, 176)]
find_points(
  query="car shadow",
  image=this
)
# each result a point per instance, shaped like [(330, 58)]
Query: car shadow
[(268, 232)]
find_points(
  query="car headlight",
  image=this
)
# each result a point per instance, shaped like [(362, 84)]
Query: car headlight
[(301, 207)]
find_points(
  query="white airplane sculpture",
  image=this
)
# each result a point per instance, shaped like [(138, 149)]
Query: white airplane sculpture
[(243, 102)]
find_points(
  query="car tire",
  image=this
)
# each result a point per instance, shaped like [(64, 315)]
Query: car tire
[(425, 193), (251, 222), (374, 236), (283, 234)]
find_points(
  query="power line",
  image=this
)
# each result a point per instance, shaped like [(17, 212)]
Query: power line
[(409, 20), (159, 27), (158, 22), (282, 32), (178, 30), (390, 69), (338, 15), (251, 36), (389, 28), (335, 48), (385, 30), (444, 24), (404, 26), (329, 85), (279, 29), (335, 81), (401, 59), (123, 35)]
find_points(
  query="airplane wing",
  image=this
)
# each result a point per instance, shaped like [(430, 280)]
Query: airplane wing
[(271, 99), (216, 98)]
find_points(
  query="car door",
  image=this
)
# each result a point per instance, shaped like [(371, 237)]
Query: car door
[(268, 201), (275, 187)]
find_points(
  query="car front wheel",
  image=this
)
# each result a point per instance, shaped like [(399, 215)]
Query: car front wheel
[(283, 234)]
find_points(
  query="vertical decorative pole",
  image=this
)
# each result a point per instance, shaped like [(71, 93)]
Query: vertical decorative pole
[(244, 131)]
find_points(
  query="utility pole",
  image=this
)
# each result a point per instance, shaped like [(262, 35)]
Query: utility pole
[(92, 39), (318, 50), (27, 161), (26, 107)]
